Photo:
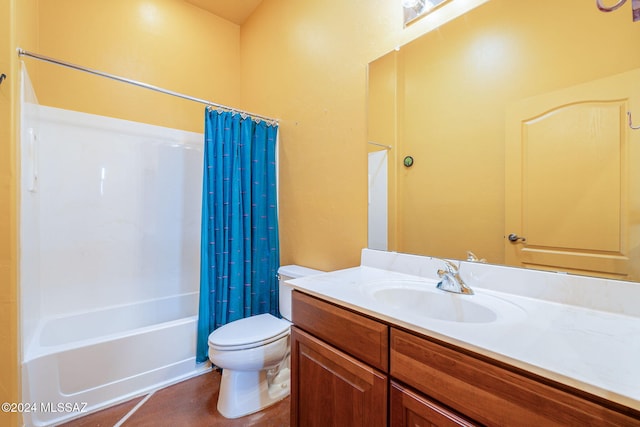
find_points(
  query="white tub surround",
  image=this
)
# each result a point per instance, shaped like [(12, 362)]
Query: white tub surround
[(109, 249), (579, 331)]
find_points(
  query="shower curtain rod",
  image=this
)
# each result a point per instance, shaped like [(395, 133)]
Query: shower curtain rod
[(22, 52)]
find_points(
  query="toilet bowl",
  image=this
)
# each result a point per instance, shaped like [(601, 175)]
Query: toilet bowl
[(254, 355)]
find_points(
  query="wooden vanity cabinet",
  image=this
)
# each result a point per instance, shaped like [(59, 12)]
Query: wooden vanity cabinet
[(496, 394), (339, 361), (349, 369)]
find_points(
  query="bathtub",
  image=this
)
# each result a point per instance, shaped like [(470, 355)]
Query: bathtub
[(87, 361)]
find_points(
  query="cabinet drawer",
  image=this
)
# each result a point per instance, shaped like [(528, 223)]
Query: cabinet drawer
[(493, 395), (357, 335)]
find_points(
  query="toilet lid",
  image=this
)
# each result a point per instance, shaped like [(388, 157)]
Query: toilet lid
[(249, 332)]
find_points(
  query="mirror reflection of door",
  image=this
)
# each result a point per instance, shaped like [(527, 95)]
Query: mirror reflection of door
[(570, 155)]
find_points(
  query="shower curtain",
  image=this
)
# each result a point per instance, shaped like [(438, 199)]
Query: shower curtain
[(239, 242)]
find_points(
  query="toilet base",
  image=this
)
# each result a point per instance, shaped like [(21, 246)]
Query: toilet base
[(245, 392)]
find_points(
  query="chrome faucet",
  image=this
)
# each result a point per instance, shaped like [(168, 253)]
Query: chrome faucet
[(451, 280)]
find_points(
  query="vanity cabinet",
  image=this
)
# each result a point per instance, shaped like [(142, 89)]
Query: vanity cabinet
[(329, 386), (349, 369), (492, 393)]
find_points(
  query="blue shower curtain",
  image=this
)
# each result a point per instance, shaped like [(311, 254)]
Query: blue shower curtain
[(239, 241)]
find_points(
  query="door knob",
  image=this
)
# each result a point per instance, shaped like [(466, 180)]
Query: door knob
[(514, 238)]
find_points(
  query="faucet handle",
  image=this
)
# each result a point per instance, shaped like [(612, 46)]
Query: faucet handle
[(471, 257), (451, 267)]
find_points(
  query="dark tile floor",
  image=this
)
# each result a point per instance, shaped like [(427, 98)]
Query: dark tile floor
[(189, 403)]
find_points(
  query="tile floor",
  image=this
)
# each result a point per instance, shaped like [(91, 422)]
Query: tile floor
[(188, 403)]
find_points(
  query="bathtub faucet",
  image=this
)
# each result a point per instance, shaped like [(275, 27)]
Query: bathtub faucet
[(451, 280)]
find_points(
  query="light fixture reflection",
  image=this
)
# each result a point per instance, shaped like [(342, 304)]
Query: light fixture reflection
[(149, 13), (414, 9), (410, 3)]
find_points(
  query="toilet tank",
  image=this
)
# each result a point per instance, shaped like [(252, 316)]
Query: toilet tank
[(287, 272)]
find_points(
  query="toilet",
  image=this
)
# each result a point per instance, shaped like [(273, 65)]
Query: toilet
[(253, 354)]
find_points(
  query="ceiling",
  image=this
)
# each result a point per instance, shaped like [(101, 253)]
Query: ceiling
[(236, 11)]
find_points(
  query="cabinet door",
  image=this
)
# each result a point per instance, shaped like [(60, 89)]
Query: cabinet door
[(331, 388), (409, 409)]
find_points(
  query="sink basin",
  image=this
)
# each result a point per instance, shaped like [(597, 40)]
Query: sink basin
[(422, 299)]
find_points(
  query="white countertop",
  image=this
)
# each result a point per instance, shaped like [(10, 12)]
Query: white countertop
[(589, 349)]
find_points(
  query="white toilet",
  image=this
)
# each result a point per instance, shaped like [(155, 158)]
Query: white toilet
[(254, 355)]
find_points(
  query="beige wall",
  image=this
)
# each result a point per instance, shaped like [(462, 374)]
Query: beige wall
[(166, 43), (8, 271)]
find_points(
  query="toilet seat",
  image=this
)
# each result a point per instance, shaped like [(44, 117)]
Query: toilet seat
[(249, 332)]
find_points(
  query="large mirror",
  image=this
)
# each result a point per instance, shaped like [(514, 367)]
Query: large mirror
[(513, 123)]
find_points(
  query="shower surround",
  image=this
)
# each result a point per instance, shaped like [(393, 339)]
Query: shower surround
[(109, 241)]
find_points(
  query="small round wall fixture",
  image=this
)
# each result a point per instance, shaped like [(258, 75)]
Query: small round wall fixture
[(408, 161)]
